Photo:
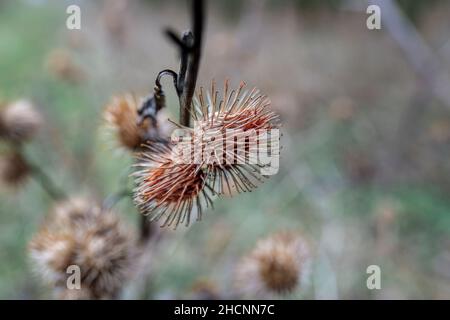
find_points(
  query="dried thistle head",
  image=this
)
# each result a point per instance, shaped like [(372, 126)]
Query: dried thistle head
[(276, 265), (121, 114), (52, 252), (14, 169), (75, 213), (233, 128), (80, 233), (19, 121), (168, 189), (236, 108), (214, 157)]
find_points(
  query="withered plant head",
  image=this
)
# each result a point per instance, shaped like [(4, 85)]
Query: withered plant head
[(51, 252), (171, 184), (238, 118), (19, 121), (233, 109), (276, 265), (132, 133), (79, 233), (14, 169), (166, 188)]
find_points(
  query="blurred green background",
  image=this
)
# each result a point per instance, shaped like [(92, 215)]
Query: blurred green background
[(364, 171)]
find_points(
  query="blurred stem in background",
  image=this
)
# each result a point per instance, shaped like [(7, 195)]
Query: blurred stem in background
[(34, 170), (46, 182)]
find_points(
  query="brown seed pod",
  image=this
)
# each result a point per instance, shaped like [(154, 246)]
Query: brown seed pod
[(121, 114), (80, 233), (14, 169), (52, 252), (275, 266), (230, 132), (167, 188), (211, 158), (19, 121)]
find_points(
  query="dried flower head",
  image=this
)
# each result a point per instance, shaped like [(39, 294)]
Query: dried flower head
[(231, 133), (122, 116), (277, 265), (19, 121), (82, 234), (218, 156), (75, 213), (237, 109), (14, 169), (52, 252), (61, 64), (167, 188)]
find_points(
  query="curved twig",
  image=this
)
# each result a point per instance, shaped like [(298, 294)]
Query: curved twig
[(190, 45)]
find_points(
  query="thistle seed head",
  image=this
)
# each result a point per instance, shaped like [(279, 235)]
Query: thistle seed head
[(230, 130), (80, 233), (14, 169), (275, 266), (168, 189), (19, 121), (213, 158), (121, 114)]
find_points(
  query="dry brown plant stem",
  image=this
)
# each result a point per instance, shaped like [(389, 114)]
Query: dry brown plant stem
[(189, 45)]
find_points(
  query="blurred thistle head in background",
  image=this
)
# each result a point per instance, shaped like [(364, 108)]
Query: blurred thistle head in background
[(19, 121), (277, 265), (78, 232), (14, 169), (121, 114), (60, 63)]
